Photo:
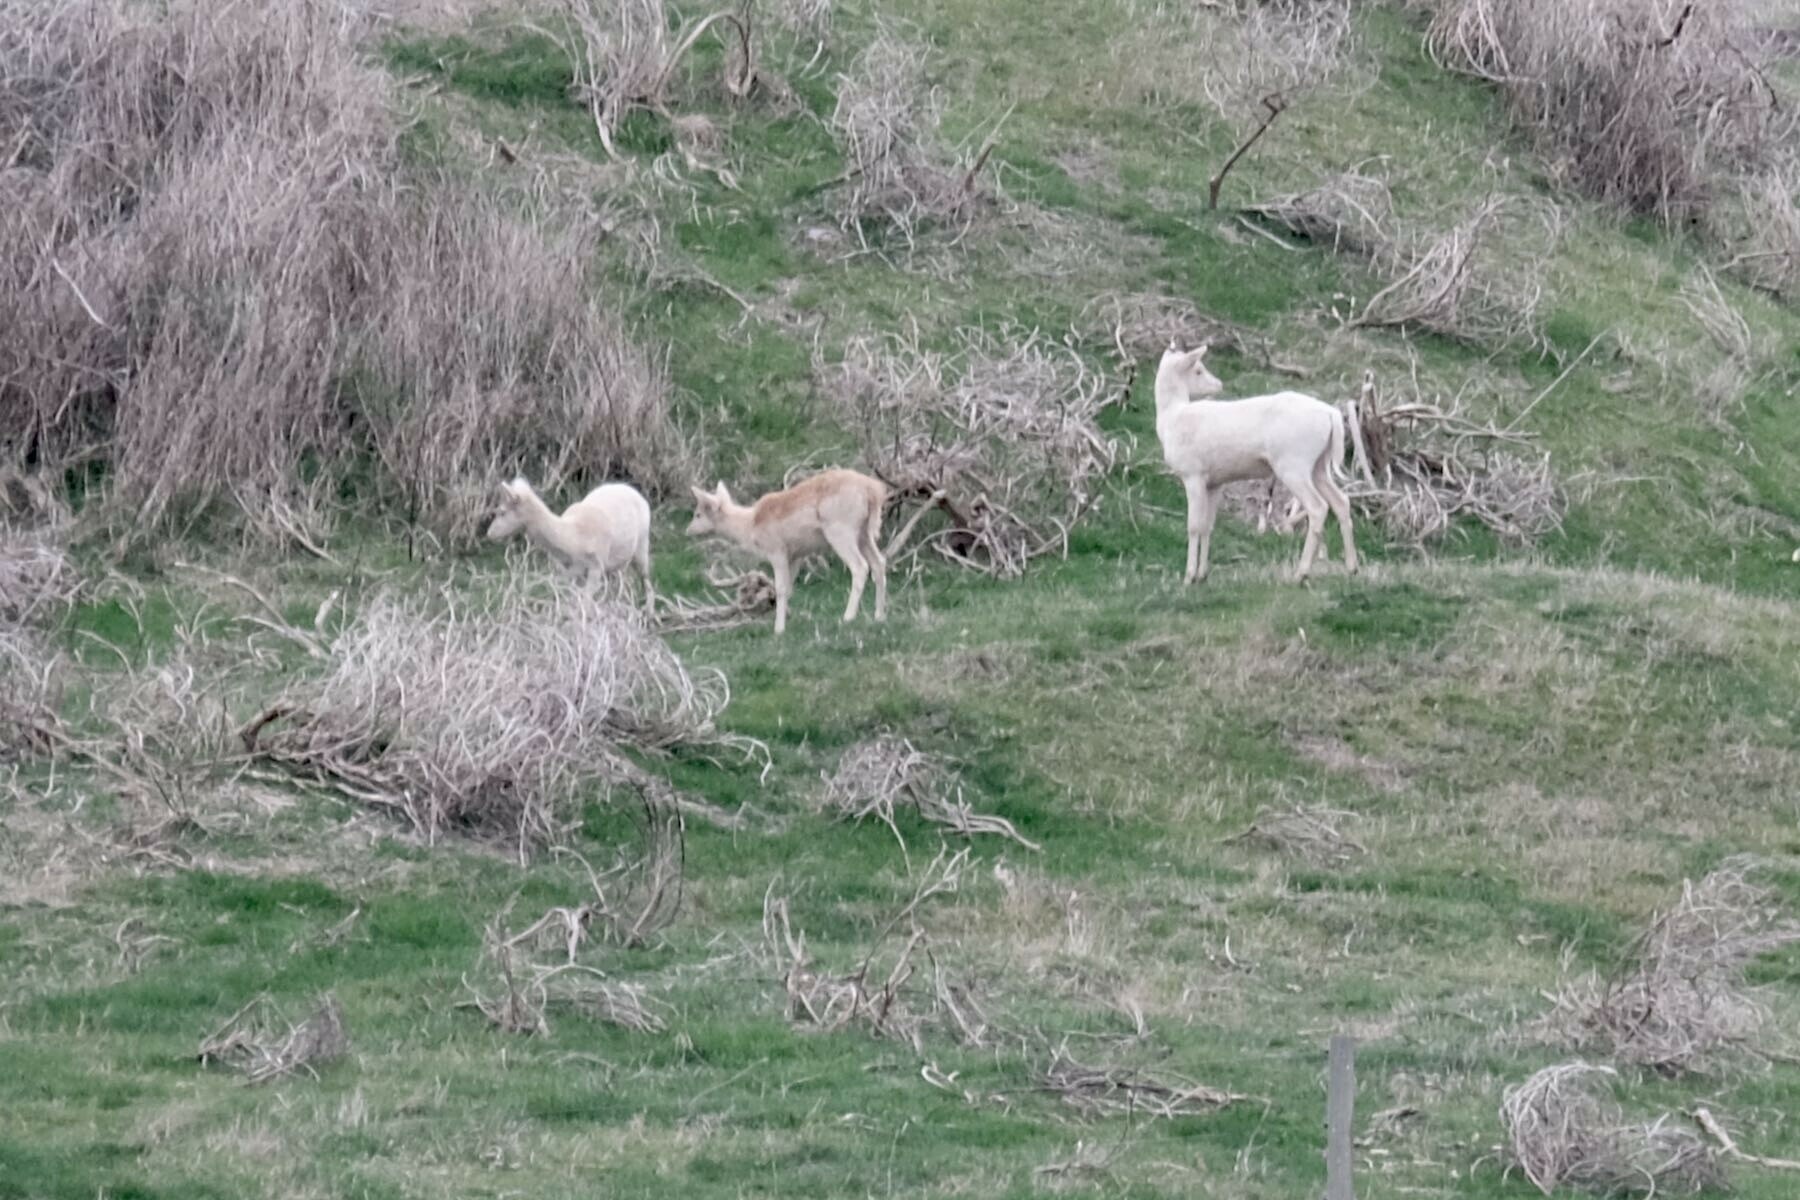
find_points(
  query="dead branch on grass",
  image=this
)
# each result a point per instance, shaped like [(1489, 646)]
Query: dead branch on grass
[(746, 598), (877, 775), (1680, 1000), (1564, 1129), (1127, 1090), (526, 990), (248, 1040), (875, 998), (1004, 426), (1308, 833), (1729, 1147)]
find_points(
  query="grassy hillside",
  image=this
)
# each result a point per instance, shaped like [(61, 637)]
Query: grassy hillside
[(1524, 751)]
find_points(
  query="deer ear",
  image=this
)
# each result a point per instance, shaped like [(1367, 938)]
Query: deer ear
[(1199, 352), (700, 497)]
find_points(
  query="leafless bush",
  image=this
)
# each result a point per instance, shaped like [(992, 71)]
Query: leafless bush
[(1760, 229), (249, 1041), (1423, 467), (1308, 833), (886, 123), (553, 383), (221, 261), (1128, 1090), (1645, 104), (1564, 1129), (31, 674), (1680, 1000), (1481, 281), (626, 55), (876, 775), (498, 719), (1003, 425), (870, 996)]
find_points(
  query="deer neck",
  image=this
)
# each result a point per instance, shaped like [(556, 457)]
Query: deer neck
[(552, 531), (1171, 395)]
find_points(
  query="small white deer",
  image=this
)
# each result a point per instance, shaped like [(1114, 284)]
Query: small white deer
[(836, 508), (601, 532), (1210, 443)]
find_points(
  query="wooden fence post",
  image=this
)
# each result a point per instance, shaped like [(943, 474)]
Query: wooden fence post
[(1340, 1115)]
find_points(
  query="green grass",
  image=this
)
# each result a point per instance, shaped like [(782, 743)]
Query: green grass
[(1535, 747)]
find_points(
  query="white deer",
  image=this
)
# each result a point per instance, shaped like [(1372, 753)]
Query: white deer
[(601, 532), (836, 508), (1210, 443)]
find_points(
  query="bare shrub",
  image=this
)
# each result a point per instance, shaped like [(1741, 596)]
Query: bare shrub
[(497, 719), (1564, 1130), (626, 55), (1680, 1000), (249, 1040), (1423, 467), (1760, 229), (1002, 424), (1480, 281), (1127, 1090), (876, 775), (1311, 834), (221, 258), (1645, 104), (898, 177), (36, 577), (31, 674), (553, 384)]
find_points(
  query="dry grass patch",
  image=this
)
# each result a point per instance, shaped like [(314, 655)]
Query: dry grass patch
[(1127, 1091), (900, 178), (1310, 834), (251, 1040), (228, 286)]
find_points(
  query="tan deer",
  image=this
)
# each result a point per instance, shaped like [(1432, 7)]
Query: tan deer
[(836, 508)]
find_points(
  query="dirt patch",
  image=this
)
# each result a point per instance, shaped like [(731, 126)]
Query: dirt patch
[(1335, 754)]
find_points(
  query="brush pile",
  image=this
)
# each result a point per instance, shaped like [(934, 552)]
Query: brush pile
[(251, 1040), (1004, 425), (1422, 467), (1127, 1090), (1680, 1001), (1565, 1130), (1310, 834), (500, 720)]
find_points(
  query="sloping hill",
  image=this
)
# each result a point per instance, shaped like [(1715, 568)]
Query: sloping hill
[(1409, 805)]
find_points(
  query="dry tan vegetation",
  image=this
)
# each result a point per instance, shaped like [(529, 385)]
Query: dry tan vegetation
[(499, 719), (876, 776), (1481, 281), (1003, 425), (1681, 1002), (250, 1040), (1564, 1129), (220, 263), (1646, 104), (900, 176)]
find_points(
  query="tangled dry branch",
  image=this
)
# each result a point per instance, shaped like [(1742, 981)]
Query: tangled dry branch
[(1681, 1000), (1564, 1129), (876, 776), (1421, 467), (525, 988), (1481, 281), (249, 1041), (1127, 1090), (875, 995), (1004, 425)]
